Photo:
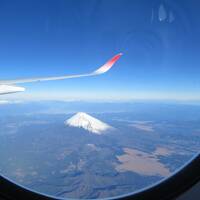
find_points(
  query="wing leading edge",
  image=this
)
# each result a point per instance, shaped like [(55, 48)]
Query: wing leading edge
[(101, 70)]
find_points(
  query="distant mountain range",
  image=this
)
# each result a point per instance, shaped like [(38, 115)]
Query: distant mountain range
[(89, 123)]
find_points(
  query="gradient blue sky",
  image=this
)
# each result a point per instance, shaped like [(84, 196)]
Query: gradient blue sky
[(159, 39)]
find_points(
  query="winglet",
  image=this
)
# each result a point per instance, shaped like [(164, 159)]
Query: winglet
[(108, 65)]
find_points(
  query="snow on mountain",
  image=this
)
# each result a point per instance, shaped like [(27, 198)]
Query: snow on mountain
[(89, 123)]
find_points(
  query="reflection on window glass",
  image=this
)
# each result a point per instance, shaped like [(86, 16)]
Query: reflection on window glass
[(106, 135)]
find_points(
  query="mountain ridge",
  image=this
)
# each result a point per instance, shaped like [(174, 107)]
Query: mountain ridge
[(89, 123)]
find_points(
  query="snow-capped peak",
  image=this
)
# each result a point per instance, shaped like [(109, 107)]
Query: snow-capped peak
[(89, 123)]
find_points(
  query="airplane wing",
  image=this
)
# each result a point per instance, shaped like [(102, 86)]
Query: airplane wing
[(99, 71)]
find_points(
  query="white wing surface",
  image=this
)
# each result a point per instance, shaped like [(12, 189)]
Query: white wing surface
[(99, 71)]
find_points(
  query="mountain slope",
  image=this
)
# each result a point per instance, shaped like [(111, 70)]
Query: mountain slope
[(89, 123)]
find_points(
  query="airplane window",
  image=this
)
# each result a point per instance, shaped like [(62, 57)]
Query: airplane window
[(98, 98)]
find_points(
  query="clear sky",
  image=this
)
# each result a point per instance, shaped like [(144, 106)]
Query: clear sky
[(159, 39)]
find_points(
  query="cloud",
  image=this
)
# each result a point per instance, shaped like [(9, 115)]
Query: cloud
[(5, 102)]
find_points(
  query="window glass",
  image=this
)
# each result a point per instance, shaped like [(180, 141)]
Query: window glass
[(108, 134)]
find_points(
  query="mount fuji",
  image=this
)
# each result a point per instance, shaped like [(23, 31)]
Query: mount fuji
[(89, 123)]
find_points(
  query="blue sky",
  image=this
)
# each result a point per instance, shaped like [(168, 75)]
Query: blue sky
[(159, 40)]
